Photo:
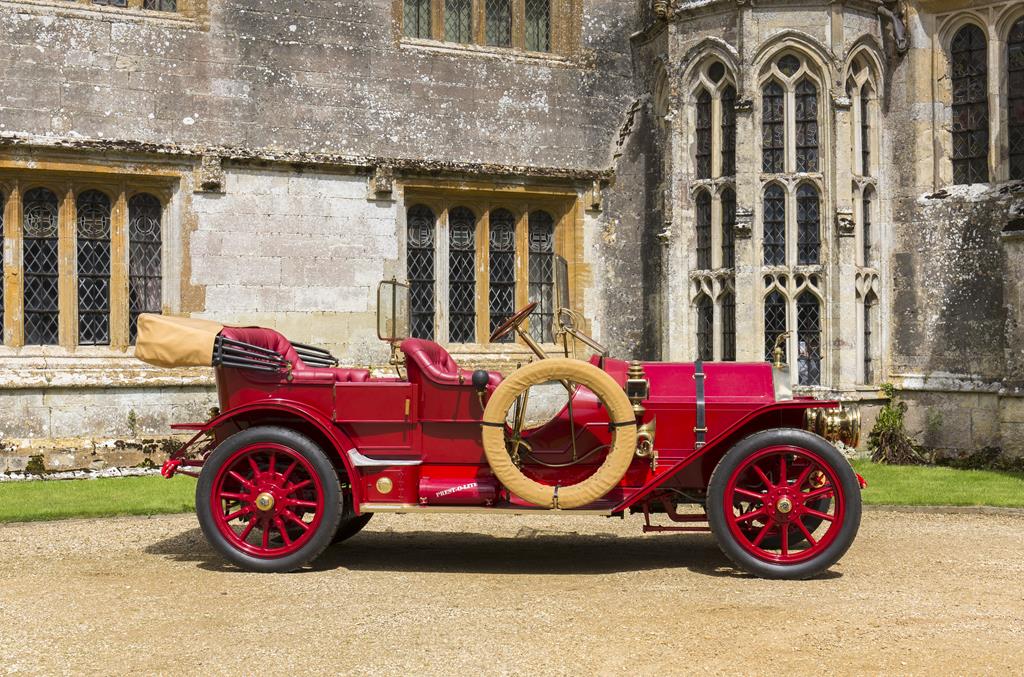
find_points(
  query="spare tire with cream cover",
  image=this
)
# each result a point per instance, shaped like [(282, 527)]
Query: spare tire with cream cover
[(608, 474)]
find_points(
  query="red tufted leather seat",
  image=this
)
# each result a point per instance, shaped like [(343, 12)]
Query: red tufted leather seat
[(273, 340), (434, 362)]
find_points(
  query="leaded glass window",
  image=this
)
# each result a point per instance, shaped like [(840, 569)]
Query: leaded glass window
[(542, 275), (774, 225), (773, 128), (969, 64), (145, 266), (728, 228), (538, 25), (458, 21), (111, 3), (869, 320), (808, 225), (502, 250), (806, 126), (39, 221), (705, 323), (774, 322), (420, 225), (865, 131), (865, 221), (498, 22), (461, 275), (728, 306), (161, 5), (703, 230), (729, 131), (789, 65), (416, 20), (703, 130), (808, 327), (93, 255), (1015, 98)]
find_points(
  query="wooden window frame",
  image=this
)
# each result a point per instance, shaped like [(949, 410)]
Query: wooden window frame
[(566, 210), (67, 187), (565, 17)]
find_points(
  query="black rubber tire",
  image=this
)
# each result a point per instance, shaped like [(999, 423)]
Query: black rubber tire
[(350, 523), (750, 445), (328, 479)]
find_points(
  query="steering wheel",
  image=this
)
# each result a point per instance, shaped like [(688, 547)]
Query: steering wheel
[(512, 323)]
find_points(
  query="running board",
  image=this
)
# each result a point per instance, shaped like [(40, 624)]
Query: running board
[(403, 508)]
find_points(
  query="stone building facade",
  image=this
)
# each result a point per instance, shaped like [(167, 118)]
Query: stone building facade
[(714, 173)]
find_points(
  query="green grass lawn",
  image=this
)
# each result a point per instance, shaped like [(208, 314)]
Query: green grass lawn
[(926, 485), (151, 495), (59, 499)]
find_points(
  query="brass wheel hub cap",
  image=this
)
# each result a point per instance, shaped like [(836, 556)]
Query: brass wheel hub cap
[(265, 501), (784, 505)]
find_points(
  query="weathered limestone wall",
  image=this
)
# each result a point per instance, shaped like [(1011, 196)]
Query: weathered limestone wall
[(310, 77)]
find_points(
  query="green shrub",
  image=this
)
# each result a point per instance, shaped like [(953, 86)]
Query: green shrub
[(888, 440)]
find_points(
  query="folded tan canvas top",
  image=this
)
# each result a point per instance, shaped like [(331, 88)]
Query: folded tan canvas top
[(175, 341)]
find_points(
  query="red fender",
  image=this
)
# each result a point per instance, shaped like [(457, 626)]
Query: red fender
[(342, 443), (721, 443)]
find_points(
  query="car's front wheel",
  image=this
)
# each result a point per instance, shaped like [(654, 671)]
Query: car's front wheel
[(784, 503), (268, 499)]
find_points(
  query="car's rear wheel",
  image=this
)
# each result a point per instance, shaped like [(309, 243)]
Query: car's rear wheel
[(784, 503), (268, 499)]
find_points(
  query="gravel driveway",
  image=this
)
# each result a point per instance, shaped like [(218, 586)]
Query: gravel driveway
[(918, 593)]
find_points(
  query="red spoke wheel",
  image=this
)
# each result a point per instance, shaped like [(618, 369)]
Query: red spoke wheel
[(268, 499), (784, 503)]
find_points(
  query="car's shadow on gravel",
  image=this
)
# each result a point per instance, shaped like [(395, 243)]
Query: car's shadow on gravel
[(531, 551)]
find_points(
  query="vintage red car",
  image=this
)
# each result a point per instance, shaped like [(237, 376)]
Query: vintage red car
[(302, 453)]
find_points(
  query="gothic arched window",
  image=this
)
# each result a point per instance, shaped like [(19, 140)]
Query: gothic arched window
[(870, 305), (774, 322), (808, 328), (39, 221), (420, 224), (728, 306), (145, 267), (728, 225), (773, 128), (969, 65), (865, 221), (1015, 98), (865, 130), (502, 289), (542, 275), (806, 126), (808, 225), (461, 275), (705, 324), (703, 129), (703, 230), (93, 239), (729, 131), (774, 225)]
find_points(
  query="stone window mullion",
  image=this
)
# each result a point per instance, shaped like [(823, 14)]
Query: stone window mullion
[(119, 271), (716, 326), (791, 226), (13, 333), (518, 24), (483, 276), (522, 262), (716, 230), (67, 266), (441, 288), (855, 116)]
